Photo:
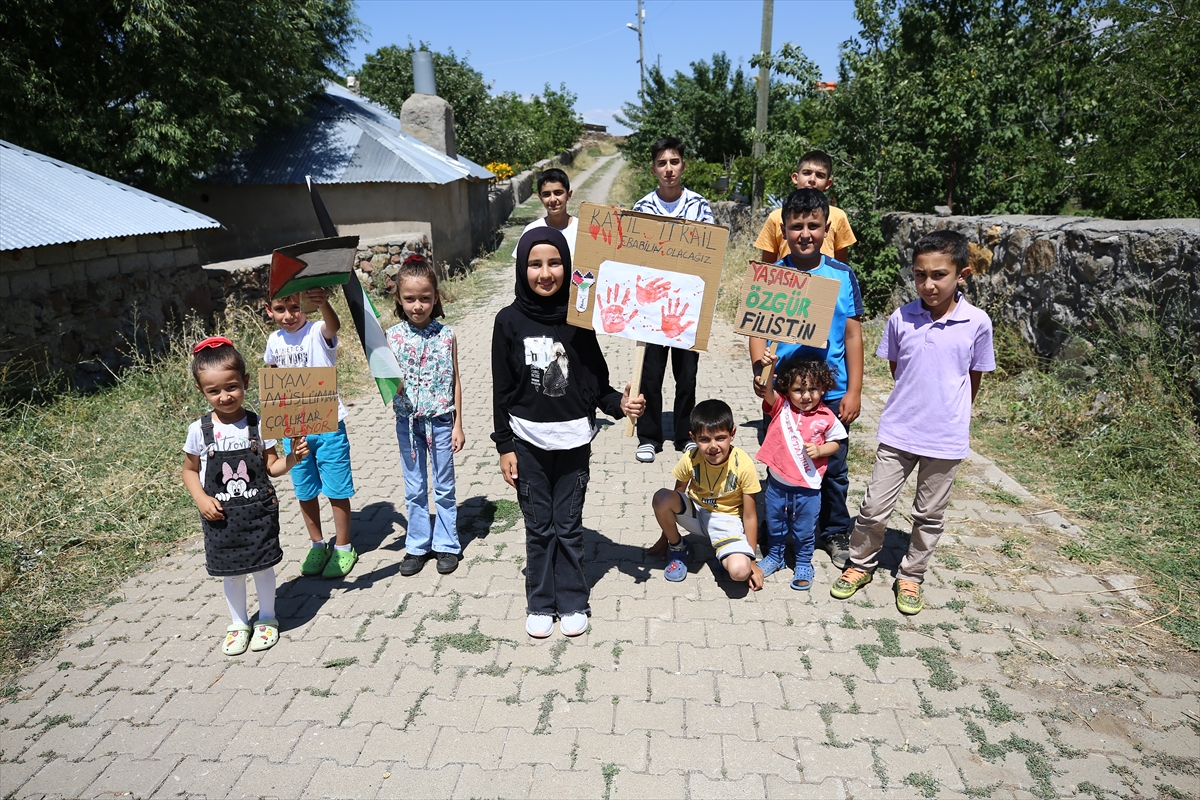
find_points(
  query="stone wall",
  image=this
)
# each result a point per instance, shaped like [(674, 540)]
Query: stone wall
[(85, 308), (1049, 275)]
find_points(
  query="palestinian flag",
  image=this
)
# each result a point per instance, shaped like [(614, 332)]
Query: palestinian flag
[(380, 359), (310, 265)]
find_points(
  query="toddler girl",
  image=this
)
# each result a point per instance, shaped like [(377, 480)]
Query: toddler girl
[(802, 435), (548, 378), (226, 466), (428, 417)]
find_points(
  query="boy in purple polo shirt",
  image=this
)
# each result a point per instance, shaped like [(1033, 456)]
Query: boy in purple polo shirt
[(938, 347)]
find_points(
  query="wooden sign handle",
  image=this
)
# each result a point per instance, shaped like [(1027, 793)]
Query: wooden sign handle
[(635, 385), (768, 372)]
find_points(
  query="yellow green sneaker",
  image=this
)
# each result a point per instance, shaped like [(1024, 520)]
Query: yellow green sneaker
[(340, 562), (851, 581), (315, 561), (909, 597)]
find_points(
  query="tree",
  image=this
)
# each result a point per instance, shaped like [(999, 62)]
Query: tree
[(711, 110), (153, 92), (487, 128), (971, 104), (1141, 154), (387, 78)]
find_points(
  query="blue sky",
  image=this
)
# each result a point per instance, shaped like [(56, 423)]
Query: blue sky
[(520, 45)]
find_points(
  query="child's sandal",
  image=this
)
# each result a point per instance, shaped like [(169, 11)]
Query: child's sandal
[(266, 634), (802, 578), (237, 639)]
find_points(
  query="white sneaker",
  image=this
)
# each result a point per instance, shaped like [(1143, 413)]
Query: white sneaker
[(645, 453), (539, 626), (573, 624)]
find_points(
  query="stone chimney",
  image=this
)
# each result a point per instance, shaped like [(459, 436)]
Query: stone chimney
[(424, 115)]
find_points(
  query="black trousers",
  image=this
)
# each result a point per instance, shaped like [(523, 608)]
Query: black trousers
[(654, 369), (551, 486)]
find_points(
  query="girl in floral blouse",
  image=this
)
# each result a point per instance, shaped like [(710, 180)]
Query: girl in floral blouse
[(428, 417)]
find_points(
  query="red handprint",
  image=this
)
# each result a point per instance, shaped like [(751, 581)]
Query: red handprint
[(612, 316), (671, 313), (653, 291)]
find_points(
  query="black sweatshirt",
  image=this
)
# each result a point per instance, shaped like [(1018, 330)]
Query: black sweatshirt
[(551, 377)]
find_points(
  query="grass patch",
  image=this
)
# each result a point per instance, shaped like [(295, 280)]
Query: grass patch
[(90, 488), (609, 772), (940, 674), (1111, 436), (340, 663), (923, 782), (625, 189)]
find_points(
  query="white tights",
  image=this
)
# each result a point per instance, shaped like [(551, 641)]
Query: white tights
[(235, 595)]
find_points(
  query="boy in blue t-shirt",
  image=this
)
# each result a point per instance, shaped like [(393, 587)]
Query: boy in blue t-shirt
[(806, 221)]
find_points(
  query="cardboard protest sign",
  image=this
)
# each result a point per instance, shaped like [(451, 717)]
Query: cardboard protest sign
[(646, 278), (309, 265), (786, 305), (297, 401)]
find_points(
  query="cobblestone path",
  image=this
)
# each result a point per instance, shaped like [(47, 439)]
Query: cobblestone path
[(1026, 676)]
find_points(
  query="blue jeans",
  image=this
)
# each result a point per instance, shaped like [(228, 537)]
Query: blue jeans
[(442, 536), (791, 513)]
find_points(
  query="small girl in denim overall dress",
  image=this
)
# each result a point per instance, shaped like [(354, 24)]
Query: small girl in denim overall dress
[(238, 508), (428, 417)]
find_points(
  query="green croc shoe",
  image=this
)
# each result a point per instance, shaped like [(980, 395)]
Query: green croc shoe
[(315, 561), (909, 597), (851, 581), (340, 562)]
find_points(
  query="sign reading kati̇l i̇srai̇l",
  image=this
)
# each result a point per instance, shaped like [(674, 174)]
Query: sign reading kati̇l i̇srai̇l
[(297, 401), (647, 278), (784, 304)]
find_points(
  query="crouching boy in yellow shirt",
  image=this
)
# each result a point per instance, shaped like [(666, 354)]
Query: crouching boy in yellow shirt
[(715, 485)]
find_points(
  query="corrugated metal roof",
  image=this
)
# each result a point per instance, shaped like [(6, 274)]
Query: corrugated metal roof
[(44, 201), (344, 139)]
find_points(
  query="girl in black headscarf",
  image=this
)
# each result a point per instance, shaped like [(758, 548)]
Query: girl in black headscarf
[(548, 379)]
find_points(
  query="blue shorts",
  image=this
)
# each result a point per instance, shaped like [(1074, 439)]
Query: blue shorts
[(326, 469)]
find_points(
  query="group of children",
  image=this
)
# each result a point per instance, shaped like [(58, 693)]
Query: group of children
[(549, 378)]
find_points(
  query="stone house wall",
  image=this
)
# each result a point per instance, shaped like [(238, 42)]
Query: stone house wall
[(1050, 275), (86, 307)]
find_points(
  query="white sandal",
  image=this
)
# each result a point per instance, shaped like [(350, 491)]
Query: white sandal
[(645, 453)]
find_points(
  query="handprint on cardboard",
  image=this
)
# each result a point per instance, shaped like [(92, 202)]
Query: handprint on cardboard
[(671, 316), (612, 315), (654, 290)]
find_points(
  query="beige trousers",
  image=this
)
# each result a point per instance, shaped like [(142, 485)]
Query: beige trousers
[(935, 476)]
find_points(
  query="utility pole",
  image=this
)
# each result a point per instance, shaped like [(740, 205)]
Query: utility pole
[(641, 19), (764, 86)]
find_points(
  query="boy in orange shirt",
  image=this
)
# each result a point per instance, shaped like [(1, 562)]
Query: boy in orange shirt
[(815, 171)]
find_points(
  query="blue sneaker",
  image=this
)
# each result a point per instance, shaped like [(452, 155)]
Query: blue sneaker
[(770, 566), (677, 564)]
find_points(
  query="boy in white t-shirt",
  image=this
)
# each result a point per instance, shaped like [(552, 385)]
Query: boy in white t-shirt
[(300, 343), (554, 190)]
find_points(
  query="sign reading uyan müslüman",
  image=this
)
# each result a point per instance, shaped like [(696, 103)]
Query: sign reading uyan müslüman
[(647, 278), (297, 402), (786, 305)]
